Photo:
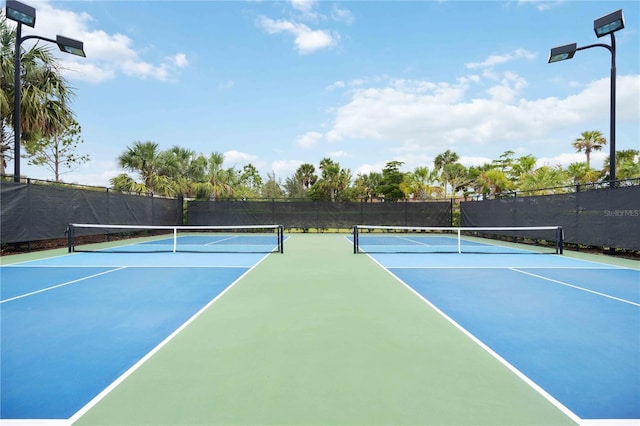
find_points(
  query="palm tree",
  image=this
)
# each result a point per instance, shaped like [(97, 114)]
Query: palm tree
[(447, 157), (218, 178), (367, 186), (420, 183), (334, 180), (454, 174), (589, 141), (45, 94), (144, 159), (124, 183), (627, 164), (544, 180), (582, 174), (306, 175), (441, 161), (522, 166)]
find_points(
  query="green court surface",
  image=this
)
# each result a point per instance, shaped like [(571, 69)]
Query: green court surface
[(318, 335)]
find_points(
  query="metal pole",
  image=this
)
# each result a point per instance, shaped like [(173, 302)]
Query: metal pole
[(612, 117), (17, 93), (612, 108)]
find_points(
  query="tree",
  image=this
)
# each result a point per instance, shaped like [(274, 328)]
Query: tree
[(419, 183), (44, 106), (447, 157), (124, 183), (494, 181), (366, 187), (58, 152), (454, 174), (183, 168), (333, 181), (627, 164), (293, 188), (219, 178), (271, 189), (543, 180), (589, 141), (582, 174), (505, 162), (306, 175), (392, 178), (441, 161), (522, 166), (142, 158)]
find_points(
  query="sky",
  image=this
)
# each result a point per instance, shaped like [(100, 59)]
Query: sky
[(279, 84)]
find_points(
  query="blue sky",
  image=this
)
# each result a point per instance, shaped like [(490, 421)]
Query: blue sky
[(278, 84)]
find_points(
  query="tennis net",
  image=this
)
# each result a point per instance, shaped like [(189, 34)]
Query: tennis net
[(145, 239), (400, 239)]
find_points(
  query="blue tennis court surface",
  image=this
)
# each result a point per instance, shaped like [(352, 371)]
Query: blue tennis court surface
[(73, 324), (572, 327)]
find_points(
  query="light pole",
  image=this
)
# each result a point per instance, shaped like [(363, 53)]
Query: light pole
[(24, 14), (602, 26)]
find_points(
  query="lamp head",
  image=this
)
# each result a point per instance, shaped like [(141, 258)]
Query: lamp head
[(21, 13), (562, 53), (609, 23), (69, 45)]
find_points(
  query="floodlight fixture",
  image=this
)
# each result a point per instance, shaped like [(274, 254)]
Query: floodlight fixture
[(21, 13), (71, 46), (609, 24), (562, 53)]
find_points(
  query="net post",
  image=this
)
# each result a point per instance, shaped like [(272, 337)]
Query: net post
[(560, 240), (355, 239), (281, 238), (70, 237), (459, 240), (175, 239)]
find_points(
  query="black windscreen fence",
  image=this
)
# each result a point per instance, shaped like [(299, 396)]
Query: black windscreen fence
[(603, 217), (317, 214), (34, 212)]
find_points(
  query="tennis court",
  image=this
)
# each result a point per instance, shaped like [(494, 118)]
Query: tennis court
[(319, 335)]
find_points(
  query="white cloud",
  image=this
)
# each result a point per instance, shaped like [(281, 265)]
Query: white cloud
[(107, 54), (97, 173), (285, 168), (435, 116), (541, 5), (359, 82), (236, 158), (494, 60), (338, 154), (180, 60), (336, 85), (309, 140), (226, 85), (510, 85), (306, 39), (342, 15), (473, 161), (305, 6), (564, 160)]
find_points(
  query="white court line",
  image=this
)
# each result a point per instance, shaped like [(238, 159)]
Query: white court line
[(220, 240), (506, 267), (576, 287), (137, 265), (60, 285)]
